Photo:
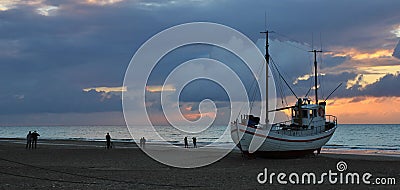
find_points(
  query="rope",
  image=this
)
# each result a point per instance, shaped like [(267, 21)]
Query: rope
[(86, 176), (47, 179)]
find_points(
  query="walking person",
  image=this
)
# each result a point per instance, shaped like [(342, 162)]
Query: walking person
[(186, 142), (34, 138), (194, 142), (28, 140), (108, 139)]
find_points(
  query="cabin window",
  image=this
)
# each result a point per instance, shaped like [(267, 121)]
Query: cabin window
[(314, 113), (305, 114)]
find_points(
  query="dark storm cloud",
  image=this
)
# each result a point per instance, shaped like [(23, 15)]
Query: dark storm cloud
[(328, 83), (46, 61), (386, 86), (396, 52)]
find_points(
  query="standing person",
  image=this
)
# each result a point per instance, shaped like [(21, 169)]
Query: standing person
[(28, 140), (186, 142), (141, 143), (34, 138), (144, 142), (108, 139), (194, 142)]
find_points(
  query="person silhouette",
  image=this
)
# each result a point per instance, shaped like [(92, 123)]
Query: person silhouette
[(108, 139), (194, 142), (141, 142), (186, 142), (144, 142), (28, 140), (34, 138)]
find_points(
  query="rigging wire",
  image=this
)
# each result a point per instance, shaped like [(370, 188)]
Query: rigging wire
[(251, 87), (287, 84), (254, 91), (278, 83)]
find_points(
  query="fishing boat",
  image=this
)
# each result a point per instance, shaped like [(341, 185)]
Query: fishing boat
[(308, 129)]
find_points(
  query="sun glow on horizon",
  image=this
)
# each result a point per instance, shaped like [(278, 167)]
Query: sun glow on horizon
[(362, 110)]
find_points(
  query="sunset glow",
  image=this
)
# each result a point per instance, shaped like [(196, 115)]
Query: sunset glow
[(383, 110), (166, 88), (356, 54), (196, 116)]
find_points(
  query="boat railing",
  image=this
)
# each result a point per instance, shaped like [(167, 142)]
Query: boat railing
[(305, 132), (331, 119)]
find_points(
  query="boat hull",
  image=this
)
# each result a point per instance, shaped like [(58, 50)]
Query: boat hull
[(280, 143)]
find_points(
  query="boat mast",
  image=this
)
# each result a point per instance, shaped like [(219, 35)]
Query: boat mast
[(266, 32), (316, 73)]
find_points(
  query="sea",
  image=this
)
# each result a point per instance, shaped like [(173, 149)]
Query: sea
[(363, 137)]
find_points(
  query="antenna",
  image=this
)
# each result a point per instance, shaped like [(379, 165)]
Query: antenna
[(266, 32), (316, 73), (312, 40), (265, 20), (320, 40)]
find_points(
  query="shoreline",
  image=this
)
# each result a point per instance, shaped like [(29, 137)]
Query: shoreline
[(68, 143)]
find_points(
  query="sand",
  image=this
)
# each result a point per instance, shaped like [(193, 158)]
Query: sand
[(88, 165)]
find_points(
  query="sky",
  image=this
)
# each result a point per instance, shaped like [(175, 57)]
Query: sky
[(63, 62)]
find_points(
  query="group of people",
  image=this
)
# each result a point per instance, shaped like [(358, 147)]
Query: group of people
[(142, 142), (194, 140), (31, 140)]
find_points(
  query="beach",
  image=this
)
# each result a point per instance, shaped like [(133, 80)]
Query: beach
[(67, 164)]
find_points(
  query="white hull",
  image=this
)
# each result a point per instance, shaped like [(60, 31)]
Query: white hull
[(280, 141)]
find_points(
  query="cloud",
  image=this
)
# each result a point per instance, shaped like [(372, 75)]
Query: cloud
[(159, 88), (358, 55), (106, 89), (384, 87), (102, 2), (51, 50), (396, 52)]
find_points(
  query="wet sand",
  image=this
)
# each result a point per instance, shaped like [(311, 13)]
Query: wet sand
[(88, 165)]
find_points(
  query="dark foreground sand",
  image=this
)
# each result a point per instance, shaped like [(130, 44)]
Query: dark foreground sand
[(87, 165)]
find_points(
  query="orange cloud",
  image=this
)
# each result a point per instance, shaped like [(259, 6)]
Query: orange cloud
[(165, 88), (196, 116), (188, 108), (360, 110), (361, 55)]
